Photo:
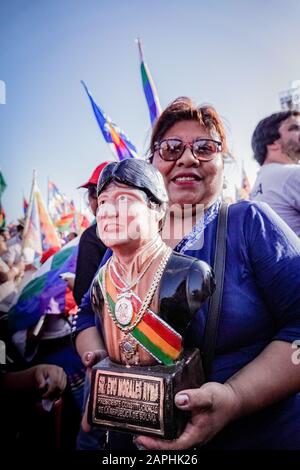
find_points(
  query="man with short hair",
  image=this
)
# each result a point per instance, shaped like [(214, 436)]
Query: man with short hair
[(276, 147)]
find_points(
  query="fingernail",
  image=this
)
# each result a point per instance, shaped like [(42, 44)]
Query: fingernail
[(181, 399), (137, 444), (140, 446)]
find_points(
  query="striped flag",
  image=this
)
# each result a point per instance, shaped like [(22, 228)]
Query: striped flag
[(39, 232), (47, 292), (32, 237), (57, 202), (118, 142), (149, 88), (50, 236), (65, 223)]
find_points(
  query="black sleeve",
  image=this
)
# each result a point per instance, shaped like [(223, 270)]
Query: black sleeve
[(90, 254)]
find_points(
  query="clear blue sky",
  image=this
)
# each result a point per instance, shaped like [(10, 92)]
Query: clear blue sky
[(235, 54)]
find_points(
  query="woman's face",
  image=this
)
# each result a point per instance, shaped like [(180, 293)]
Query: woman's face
[(188, 180)]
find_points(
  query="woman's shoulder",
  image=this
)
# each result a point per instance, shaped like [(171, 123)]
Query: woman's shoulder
[(254, 212), (248, 208), (257, 221)]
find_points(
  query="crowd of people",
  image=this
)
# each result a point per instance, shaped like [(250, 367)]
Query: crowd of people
[(250, 398)]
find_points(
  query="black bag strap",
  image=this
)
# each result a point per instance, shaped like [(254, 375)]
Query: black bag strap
[(212, 322)]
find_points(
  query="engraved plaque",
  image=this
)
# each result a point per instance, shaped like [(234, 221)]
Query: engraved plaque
[(140, 399)]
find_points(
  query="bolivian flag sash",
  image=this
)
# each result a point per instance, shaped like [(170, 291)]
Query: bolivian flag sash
[(152, 333)]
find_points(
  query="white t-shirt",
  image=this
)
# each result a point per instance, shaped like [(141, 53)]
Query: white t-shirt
[(13, 255), (279, 186), (8, 290)]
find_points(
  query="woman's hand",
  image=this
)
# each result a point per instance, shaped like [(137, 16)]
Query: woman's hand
[(212, 407)]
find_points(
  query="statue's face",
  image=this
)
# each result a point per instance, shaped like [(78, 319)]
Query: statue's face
[(124, 218)]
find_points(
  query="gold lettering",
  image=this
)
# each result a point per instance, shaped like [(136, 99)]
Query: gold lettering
[(150, 391), (130, 388), (112, 386), (102, 385)]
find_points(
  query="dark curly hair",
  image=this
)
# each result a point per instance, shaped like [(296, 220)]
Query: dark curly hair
[(183, 109), (266, 132), (138, 174)]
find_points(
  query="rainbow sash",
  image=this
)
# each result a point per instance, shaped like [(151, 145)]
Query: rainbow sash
[(152, 333)]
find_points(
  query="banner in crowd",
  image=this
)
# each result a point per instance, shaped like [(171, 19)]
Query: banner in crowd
[(39, 232), (47, 292)]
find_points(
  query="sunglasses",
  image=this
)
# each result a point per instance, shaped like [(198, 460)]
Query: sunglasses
[(202, 149)]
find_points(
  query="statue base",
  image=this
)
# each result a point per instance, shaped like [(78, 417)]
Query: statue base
[(140, 399)]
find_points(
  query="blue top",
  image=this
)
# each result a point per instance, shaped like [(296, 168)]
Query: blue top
[(261, 303)]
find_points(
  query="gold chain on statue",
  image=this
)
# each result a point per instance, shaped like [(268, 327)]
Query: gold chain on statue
[(149, 296)]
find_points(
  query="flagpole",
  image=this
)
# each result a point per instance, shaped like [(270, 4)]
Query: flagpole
[(138, 41), (48, 196), (149, 87), (27, 217), (23, 197)]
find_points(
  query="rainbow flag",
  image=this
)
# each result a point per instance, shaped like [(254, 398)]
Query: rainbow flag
[(82, 222), (65, 223), (57, 202), (118, 142), (156, 336), (32, 237), (149, 88), (39, 232), (47, 292), (49, 234)]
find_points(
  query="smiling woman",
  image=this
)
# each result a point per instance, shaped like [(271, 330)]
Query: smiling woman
[(186, 146), (259, 310), (251, 397)]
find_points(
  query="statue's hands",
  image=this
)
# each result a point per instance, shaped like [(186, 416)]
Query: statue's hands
[(212, 407)]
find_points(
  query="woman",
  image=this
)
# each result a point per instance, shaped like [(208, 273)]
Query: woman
[(250, 399)]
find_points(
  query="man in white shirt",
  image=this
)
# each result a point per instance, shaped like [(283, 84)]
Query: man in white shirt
[(276, 147), (9, 277), (13, 254)]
